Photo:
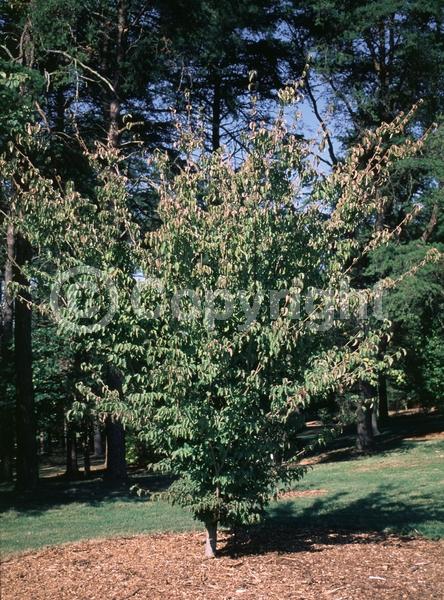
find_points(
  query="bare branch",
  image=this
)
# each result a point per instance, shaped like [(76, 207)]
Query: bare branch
[(324, 127), (84, 66)]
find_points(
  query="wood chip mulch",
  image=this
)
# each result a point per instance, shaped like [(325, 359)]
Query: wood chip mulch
[(301, 566)]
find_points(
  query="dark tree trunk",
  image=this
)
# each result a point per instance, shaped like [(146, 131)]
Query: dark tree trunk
[(364, 439), (98, 444), (211, 539), (114, 105), (364, 424), (382, 386), (72, 465), (375, 427), (85, 448), (48, 444), (115, 463), (59, 120), (27, 465), (216, 116), (113, 130), (382, 398), (6, 362)]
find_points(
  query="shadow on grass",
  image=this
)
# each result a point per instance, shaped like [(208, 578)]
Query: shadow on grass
[(55, 492), (290, 528), (391, 438), (375, 510)]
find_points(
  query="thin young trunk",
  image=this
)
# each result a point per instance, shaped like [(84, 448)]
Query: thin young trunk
[(6, 360), (27, 465), (211, 539)]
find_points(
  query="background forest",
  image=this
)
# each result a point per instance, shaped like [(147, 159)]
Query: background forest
[(111, 110)]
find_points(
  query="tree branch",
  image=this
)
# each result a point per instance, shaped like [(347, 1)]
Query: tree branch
[(84, 66), (314, 103)]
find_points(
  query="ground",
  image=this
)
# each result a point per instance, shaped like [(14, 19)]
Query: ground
[(297, 566), (354, 527)]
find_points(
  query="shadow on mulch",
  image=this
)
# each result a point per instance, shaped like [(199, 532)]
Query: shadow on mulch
[(374, 518), (286, 540)]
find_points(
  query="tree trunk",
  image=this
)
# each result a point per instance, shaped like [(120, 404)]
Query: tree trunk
[(114, 106), (364, 439), (375, 428), (211, 539), (72, 466), (59, 120), (98, 445), (6, 362), (85, 448), (113, 130), (115, 463), (216, 116), (382, 398), (364, 424), (27, 465)]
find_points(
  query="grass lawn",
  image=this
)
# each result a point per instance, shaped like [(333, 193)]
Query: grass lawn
[(400, 490), (395, 491)]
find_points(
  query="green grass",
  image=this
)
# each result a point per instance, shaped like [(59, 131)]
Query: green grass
[(398, 491), (86, 510)]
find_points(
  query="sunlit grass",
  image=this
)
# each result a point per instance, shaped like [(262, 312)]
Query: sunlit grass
[(398, 491)]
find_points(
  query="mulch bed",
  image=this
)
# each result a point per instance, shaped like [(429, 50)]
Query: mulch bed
[(302, 566)]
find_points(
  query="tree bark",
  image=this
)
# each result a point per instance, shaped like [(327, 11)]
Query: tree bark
[(85, 448), (6, 360), (98, 445), (59, 120), (216, 115), (364, 439), (115, 462), (27, 465), (374, 415), (433, 220), (211, 539), (114, 106), (382, 398), (364, 425), (72, 465)]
